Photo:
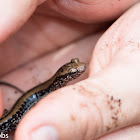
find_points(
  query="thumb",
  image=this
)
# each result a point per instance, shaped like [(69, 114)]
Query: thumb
[(14, 13), (83, 111)]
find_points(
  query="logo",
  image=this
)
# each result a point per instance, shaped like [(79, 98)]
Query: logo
[(2, 135)]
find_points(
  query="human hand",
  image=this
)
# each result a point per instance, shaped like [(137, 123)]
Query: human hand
[(102, 94)]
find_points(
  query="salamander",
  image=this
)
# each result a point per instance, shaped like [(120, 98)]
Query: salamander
[(66, 73)]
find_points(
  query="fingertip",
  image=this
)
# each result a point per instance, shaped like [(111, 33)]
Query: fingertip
[(42, 132), (45, 133), (13, 15), (123, 33)]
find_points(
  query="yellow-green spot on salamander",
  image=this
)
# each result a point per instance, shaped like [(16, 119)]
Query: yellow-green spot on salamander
[(66, 73)]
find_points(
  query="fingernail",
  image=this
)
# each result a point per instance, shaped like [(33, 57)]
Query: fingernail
[(45, 133)]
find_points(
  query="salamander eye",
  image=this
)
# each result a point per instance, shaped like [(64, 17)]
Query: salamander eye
[(62, 70), (73, 70), (74, 60)]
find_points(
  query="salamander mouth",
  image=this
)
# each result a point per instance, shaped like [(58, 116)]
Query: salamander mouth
[(76, 74)]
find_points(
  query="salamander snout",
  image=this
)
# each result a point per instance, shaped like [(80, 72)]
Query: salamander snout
[(77, 66), (73, 68)]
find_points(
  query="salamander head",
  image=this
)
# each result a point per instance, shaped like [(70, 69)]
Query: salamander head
[(66, 73), (72, 69)]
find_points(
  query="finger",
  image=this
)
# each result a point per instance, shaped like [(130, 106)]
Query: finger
[(91, 11), (84, 111), (117, 40), (128, 133), (40, 35), (32, 42), (14, 14)]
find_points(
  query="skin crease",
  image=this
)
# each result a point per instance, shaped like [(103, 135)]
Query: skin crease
[(106, 62)]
